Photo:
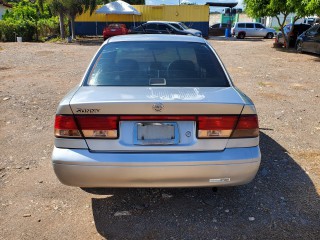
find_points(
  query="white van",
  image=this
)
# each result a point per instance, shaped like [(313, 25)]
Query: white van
[(252, 29)]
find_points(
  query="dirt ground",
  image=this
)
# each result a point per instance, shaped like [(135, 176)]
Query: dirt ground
[(281, 203)]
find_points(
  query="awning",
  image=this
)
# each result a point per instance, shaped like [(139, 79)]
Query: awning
[(118, 7), (222, 4)]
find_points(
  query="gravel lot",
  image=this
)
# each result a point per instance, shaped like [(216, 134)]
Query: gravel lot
[(281, 203)]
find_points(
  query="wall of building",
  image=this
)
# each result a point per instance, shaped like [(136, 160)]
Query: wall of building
[(273, 22), (216, 18), (194, 16)]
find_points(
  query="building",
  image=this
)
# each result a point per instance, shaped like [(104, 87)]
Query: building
[(194, 16)]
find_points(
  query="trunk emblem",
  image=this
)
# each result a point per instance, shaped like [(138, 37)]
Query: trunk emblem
[(158, 107), (87, 110)]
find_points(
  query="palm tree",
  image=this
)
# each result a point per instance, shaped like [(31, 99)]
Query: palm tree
[(58, 8), (74, 7)]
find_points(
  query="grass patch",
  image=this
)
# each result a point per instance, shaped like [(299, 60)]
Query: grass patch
[(56, 40)]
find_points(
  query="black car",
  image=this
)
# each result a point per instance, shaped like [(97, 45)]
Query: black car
[(309, 41), (218, 29), (297, 30), (162, 27)]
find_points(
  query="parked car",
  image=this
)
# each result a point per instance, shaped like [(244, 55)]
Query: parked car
[(114, 29), (309, 41), (183, 27), (251, 29), (164, 27), (156, 111), (218, 29), (297, 30), (311, 20)]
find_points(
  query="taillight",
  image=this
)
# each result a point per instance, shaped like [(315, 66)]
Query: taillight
[(216, 126), (98, 126), (106, 127), (247, 126), (65, 126)]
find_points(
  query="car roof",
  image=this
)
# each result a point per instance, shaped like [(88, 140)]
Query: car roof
[(299, 24), (156, 38), (249, 22), (162, 22)]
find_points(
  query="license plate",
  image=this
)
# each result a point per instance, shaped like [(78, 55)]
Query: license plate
[(113, 30), (152, 133)]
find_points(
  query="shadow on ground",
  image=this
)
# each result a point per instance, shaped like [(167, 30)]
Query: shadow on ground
[(294, 51), (280, 203), (90, 41), (223, 38)]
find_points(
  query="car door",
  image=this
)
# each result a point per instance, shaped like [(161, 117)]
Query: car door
[(317, 41), (164, 28), (260, 30), (311, 36), (250, 30), (151, 28)]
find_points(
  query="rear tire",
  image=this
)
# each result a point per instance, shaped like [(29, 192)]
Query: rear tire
[(270, 35), (241, 35)]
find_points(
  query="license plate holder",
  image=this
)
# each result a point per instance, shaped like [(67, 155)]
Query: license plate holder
[(156, 133)]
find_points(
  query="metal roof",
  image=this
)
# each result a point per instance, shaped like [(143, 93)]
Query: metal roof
[(118, 7)]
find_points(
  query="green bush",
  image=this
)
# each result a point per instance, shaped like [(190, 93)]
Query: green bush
[(48, 27), (8, 30), (25, 20), (11, 29)]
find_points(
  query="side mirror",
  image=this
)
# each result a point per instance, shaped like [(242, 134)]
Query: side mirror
[(169, 30)]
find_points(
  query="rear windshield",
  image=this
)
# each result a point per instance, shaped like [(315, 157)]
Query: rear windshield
[(157, 64)]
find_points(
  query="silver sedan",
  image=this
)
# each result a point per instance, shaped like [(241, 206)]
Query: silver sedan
[(156, 111)]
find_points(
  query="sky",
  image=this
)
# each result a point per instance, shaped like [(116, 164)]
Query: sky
[(200, 2)]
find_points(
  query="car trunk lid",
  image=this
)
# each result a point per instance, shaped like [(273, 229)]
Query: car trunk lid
[(156, 118)]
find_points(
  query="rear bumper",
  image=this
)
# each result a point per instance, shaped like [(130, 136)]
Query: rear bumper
[(82, 168), (111, 34)]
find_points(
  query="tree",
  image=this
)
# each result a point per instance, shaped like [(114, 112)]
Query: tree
[(69, 8), (314, 4), (74, 7), (27, 21), (273, 8), (58, 8)]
